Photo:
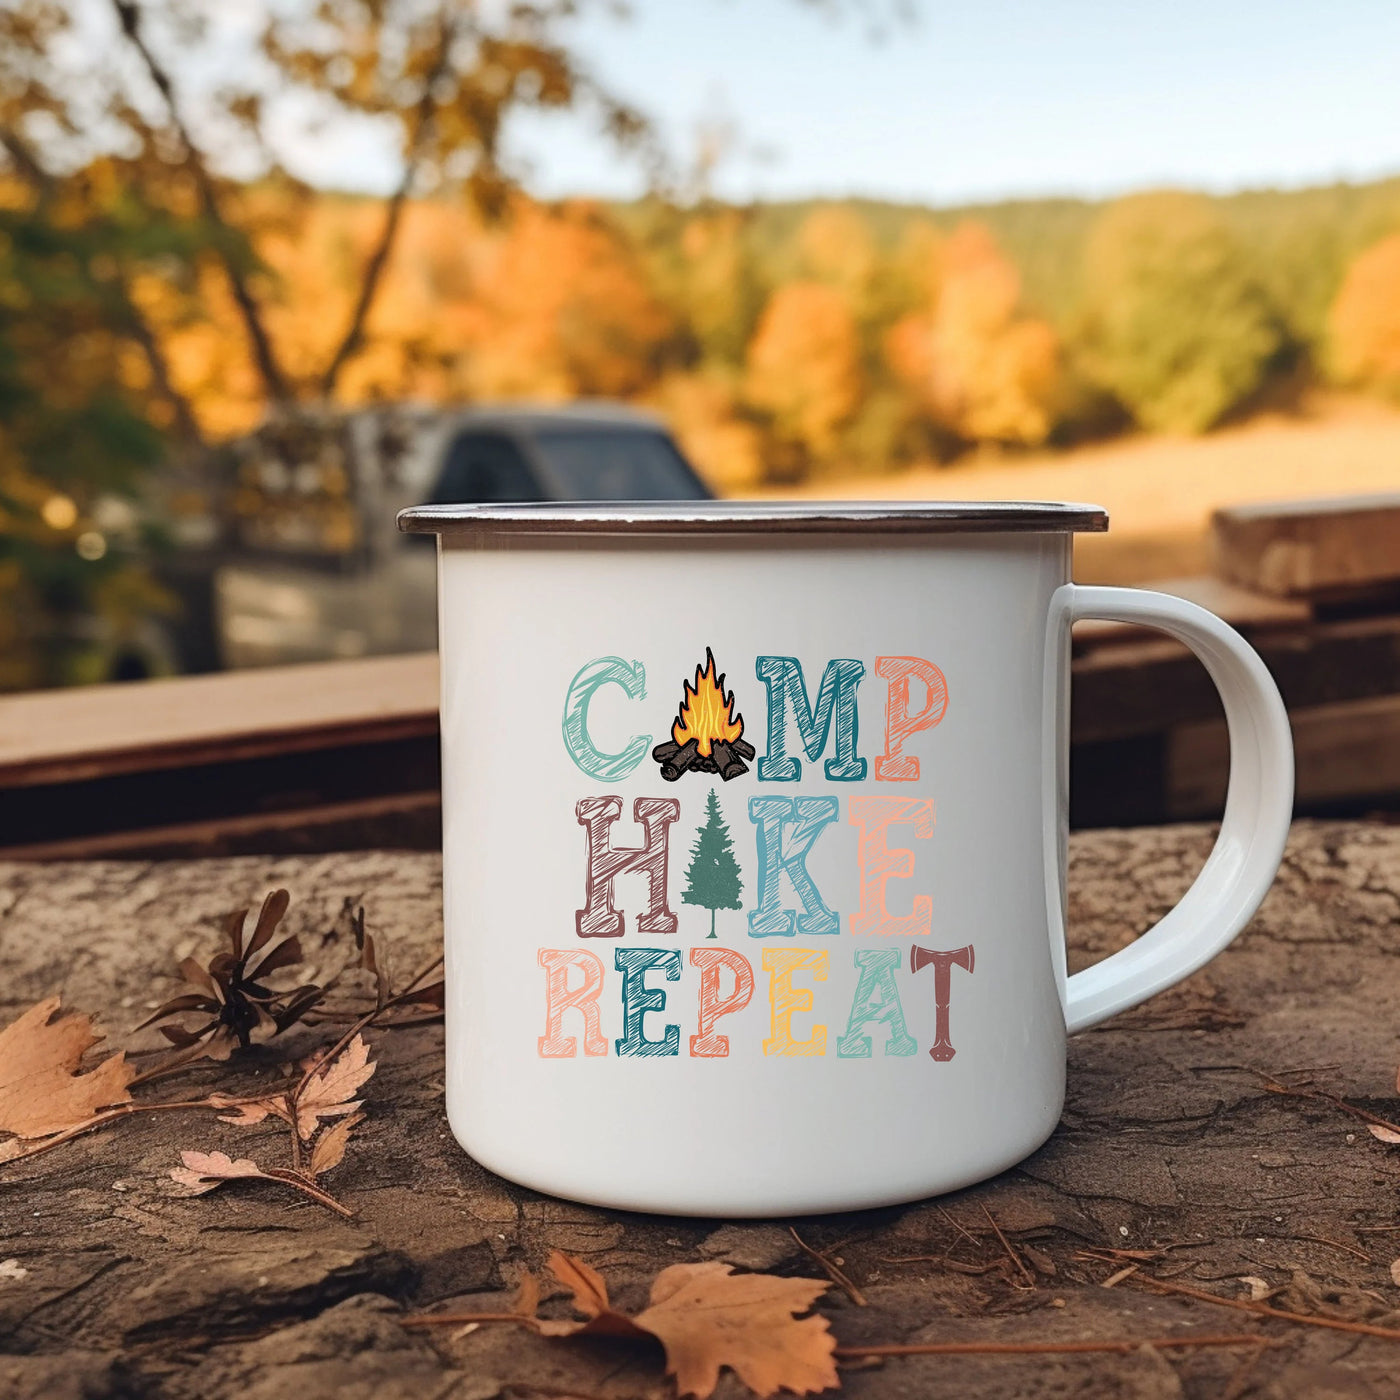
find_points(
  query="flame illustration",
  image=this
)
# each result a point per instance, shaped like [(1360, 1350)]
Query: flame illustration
[(707, 713)]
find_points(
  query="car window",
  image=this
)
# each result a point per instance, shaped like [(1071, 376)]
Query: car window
[(617, 464), (484, 467)]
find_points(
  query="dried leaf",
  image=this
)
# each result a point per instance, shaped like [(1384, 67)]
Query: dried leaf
[(178, 1035), (198, 978), (330, 1147), (527, 1295), (248, 1113), (329, 1093), (1395, 1273), (234, 930), (203, 1171), (286, 954), (434, 995), (298, 1003), (584, 1282), (707, 1317), (274, 907), (41, 1090), (233, 990), (1385, 1134), (190, 1001), (369, 959)]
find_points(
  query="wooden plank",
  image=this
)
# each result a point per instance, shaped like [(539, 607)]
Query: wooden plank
[(1310, 549), (1136, 688), (1346, 752), (97, 731), (410, 820)]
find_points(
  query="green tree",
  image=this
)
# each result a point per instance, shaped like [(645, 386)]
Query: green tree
[(1177, 325), (712, 881), (76, 447)]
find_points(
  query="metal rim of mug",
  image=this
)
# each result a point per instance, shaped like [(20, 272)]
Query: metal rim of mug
[(755, 518)]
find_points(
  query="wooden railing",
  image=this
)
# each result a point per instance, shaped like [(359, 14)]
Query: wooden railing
[(296, 757)]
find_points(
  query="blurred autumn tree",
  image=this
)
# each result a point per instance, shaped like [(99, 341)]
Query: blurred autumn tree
[(1176, 324), (127, 82), (149, 210), (563, 310), (74, 443), (982, 369), (1364, 322), (804, 372)]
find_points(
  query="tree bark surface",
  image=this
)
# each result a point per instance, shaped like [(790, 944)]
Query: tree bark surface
[(113, 1285)]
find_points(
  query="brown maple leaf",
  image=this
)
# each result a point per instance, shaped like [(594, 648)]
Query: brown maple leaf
[(707, 1317), (41, 1090), (329, 1092)]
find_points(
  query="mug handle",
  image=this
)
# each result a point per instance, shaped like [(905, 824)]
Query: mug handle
[(1258, 804)]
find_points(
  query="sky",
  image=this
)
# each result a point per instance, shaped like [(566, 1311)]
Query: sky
[(976, 100)]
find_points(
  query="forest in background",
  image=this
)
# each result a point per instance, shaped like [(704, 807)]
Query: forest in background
[(789, 341), (785, 343)]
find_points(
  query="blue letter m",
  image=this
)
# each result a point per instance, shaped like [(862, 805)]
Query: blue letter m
[(787, 690)]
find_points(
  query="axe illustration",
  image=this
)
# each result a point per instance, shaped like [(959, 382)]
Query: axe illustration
[(943, 964)]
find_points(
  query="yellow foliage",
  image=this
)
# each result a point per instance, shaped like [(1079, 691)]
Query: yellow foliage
[(980, 369), (711, 284), (703, 411), (804, 364), (562, 310), (1364, 323), (556, 303), (549, 306), (836, 247), (206, 350)]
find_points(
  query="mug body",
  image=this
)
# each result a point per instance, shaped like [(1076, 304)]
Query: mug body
[(748, 841)]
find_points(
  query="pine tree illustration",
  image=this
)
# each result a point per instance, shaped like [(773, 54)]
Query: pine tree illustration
[(712, 880)]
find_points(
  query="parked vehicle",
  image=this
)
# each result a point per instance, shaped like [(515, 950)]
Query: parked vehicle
[(317, 568)]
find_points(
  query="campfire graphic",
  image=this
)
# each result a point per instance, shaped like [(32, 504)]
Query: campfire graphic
[(707, 736)]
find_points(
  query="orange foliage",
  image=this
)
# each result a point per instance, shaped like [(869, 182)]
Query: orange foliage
[(978, 367), (1364, 322), (551, 305), (558, 302), (835, 246), (804, 364), (563, 311), (703, 410)]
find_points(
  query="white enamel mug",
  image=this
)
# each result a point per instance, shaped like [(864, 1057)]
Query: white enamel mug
[(755, 838)]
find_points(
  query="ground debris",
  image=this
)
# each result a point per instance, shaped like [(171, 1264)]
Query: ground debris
[(1173, 1158)]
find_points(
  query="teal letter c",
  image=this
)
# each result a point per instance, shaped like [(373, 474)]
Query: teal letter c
[(604, 670)]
